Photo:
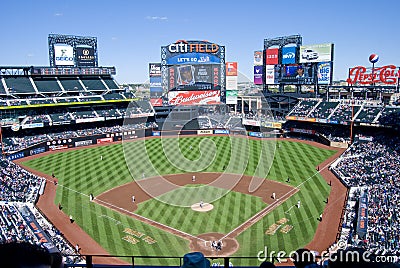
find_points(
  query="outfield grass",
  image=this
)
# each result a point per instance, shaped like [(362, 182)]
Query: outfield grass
[(81, 172)]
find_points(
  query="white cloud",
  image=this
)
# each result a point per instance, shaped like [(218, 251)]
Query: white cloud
[(58, 14), (156, 18)]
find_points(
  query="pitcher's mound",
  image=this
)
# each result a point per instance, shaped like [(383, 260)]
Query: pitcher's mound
[(204, 208)]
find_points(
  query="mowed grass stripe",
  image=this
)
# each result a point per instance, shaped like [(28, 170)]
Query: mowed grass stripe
[(83, 171)]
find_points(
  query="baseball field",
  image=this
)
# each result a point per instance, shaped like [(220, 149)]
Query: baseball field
[(170, 177)]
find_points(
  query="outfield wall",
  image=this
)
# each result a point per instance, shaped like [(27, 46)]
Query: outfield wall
[(65, 143)]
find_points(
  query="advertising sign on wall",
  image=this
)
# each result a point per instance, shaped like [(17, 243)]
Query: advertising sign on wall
[(231, 69), (271, 56), (231, 83), (194, 97), (85, 57), (258, 58), (324, 73), (288, 55), (316, 53), (231, 96), (258, 75), (63, 55), (270, 77)]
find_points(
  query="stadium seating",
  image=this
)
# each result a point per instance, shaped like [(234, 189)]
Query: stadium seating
[(303, 108), (90, 98), (324, 109), (373, 165), (113, 96), (15, 102), (93, 83), (110, 83), (108, 112), (344, 112), (71, 84), (40, 101), (47, 84), (368, 114), (390, 116), (2, 90), (20, 84)]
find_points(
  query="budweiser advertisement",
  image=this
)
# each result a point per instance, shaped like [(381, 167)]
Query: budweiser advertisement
[(386, 75), (194, 97), (156, 102)]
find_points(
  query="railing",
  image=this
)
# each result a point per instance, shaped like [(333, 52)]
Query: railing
[(108, 261)]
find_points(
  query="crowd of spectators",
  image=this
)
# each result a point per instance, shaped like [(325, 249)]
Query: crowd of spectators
[(17, 184), (14, 144), (372, 163), (303, 108), (19, 190)]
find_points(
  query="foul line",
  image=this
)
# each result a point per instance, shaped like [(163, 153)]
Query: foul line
[(268, 209), (137, 216)]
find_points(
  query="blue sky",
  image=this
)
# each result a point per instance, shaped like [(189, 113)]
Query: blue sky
[(130, 33)]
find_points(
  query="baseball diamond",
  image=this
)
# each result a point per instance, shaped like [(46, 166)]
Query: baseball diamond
[(238, 218)]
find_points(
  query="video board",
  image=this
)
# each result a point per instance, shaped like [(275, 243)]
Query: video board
[(193, 66), (71, 50), (297, 74), (194, 77)]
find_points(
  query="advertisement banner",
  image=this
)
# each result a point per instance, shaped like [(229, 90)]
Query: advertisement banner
[(33, 125), (258, 58), (324, 73), (385, 75), (155, 87), (15, 156), (221, 131), (194, 77), (231, 96), (251, 122), (231, 69), (57, 147), (204, 132), (63, 55), (288, 55), (85, 57), (156, 102), (258, 75), (156, 133), (83, 143), (316, 53), (256, 134), (271, 56), (303, 131), (154, 69), (193, 58), (194, 97), (231, 82), (38, 150), (270, 75), (362, 215), (104, 140)]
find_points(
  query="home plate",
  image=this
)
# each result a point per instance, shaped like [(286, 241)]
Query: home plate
[(206, 207)]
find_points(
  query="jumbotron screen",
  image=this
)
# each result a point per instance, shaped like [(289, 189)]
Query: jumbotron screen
[(194, 77), (193, 66)]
